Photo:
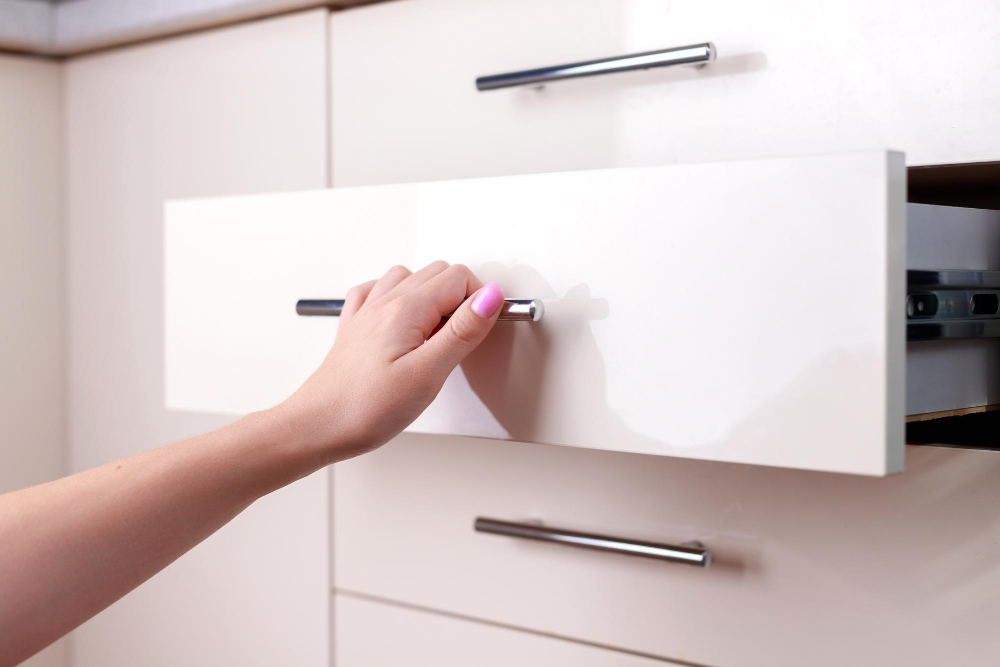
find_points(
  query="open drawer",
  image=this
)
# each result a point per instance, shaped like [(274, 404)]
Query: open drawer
[(744, 311)]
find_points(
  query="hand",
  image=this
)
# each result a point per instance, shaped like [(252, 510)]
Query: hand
[(392, 354)]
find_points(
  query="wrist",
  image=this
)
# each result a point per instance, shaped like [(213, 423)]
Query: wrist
[(272, 449), (312, 426)]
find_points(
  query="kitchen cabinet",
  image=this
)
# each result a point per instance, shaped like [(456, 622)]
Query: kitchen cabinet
[(810, 567), (234, 110)]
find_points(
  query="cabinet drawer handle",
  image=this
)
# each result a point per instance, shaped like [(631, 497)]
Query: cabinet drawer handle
[(696, 54), (691, 553), (513, 310)]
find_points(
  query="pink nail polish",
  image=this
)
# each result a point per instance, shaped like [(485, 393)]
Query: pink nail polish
[(487, 300)]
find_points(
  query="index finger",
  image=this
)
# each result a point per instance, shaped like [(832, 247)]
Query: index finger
[(355, 298)]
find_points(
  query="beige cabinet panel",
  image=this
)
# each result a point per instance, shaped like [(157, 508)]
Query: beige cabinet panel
[(32, 284), (32, 291), (236, 110)]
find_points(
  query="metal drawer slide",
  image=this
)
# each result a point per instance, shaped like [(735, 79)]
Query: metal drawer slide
[(952, 304)]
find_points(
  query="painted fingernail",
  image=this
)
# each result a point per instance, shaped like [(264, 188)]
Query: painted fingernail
[(487, 300)]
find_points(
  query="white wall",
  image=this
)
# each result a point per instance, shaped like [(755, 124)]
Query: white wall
[(25, 25), (31, 282), (68, 27), (235, 110)]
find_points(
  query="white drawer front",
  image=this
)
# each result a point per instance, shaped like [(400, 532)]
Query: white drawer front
[(371, 634), (790, 78), (741, 311), (810, 568)]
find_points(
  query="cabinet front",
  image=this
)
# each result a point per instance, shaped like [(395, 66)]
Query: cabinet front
[(788, 78), (743, 311)]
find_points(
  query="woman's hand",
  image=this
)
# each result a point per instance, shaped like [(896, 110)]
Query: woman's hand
[(391, 357)]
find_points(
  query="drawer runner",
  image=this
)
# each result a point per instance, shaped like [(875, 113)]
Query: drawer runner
[(952, 304)]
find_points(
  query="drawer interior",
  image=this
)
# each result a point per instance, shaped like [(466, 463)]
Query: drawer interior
[(971, 185), (968, 369), (973, 429)]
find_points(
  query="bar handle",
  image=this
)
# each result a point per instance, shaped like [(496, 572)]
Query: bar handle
[(513, 310), (695, 54), (689, 553)]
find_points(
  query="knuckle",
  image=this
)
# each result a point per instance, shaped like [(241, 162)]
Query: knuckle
[(461, 269), (396, 308), (403, 312), (355, 293), (464, 330), (398, 270), (438, 264)]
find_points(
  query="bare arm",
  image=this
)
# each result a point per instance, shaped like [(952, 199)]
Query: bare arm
[(71, 547)]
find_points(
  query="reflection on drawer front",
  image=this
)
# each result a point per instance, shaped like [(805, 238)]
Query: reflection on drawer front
[(904, 570), (741, 311), (372, 634)]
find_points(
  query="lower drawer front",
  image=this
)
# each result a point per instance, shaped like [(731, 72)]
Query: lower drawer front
[(372, 634), (810, 568)]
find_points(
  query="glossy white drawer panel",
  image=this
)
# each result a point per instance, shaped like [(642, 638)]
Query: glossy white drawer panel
[(373, 634), (743, 311), (790, 78), (810, 568)]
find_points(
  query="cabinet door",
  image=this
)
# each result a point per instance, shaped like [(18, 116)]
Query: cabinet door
[(32, 284), (743, 311), (229, 111), (31, 275)]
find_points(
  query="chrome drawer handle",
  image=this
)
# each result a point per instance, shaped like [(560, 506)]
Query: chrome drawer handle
[(696, 54), (690, 553), (513, 310)]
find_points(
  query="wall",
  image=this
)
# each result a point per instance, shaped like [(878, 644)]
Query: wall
[(25, 25), (67, 27), (31, 282), (229, 111)]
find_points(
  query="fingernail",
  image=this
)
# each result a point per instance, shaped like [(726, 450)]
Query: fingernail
[(487, 300)]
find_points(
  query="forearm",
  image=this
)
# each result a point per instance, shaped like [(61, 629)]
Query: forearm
[(71, 547)]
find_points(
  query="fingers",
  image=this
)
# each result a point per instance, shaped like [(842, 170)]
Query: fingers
[(420, 277), (396, 280), (463, 331), (447, 290), (355, 298), (392, 277), (442, 294)]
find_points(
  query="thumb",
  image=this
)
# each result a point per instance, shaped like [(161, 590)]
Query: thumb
[(464, 330)]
